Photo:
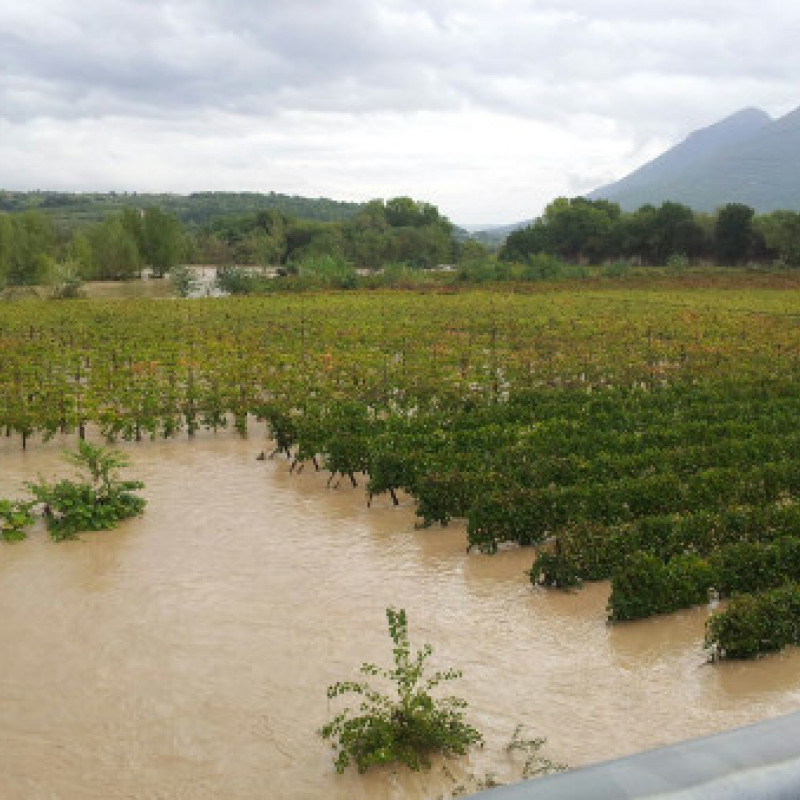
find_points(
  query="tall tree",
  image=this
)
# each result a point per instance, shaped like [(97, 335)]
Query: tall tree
[(115, 253), (162, 242), (735, 237)]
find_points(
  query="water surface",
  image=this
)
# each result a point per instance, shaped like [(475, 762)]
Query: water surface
[(186, 654)]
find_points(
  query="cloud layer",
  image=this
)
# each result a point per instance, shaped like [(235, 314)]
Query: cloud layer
[(489, 108)]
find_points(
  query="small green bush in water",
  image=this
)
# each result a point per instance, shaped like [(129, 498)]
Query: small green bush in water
[(754, 624), (407, 727), (98, 502), (15, 516)]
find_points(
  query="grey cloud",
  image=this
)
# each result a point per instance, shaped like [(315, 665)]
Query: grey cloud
[(535, 59), (201, 75)]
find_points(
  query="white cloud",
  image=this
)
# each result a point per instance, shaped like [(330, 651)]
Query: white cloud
[(489, 108)]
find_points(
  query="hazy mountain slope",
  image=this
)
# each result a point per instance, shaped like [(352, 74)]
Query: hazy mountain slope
[(745, 158)]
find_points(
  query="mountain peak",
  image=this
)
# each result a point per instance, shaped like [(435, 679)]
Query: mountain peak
[(747, 157), (741, 123)]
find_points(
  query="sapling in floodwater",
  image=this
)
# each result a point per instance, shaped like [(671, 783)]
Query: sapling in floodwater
[(407, 727), (98, 502)]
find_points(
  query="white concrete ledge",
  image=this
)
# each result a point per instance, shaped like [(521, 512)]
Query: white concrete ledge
[(757, 762)]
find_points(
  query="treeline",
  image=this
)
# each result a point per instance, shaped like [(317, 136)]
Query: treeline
[(396, 231), (597, 231), (397, 234), (34, 250)]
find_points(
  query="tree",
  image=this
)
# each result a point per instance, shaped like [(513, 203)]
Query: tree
[(6, 247), (472, 252), (162, 241), (574, 229), (735, 238), (399, 231), (115, 254), (80, 253), (524, 242), (313, 239), (675, 232), (27, 248), (403, 212), (579, 228), (211, 248), (780, 231)]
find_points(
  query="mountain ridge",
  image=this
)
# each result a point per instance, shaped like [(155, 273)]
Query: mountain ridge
[(746, 157)]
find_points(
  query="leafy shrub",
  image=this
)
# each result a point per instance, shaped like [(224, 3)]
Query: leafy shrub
[(646, 586), (748, 566), (98, 502), (615, 269), (689, 578), (678, 262), (182, 279), (238, 280), (328, 271), (514, 515), (639, 588), (753, 624), (554, 569), (440, 496), (67, 283), (15, 516), (405, 728)]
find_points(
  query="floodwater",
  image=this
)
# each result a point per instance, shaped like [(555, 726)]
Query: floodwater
[(186, 654)]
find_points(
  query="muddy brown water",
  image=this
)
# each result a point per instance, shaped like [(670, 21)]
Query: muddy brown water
[(186, 654)]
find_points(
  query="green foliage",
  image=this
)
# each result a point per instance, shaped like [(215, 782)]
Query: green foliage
[(238, 280), (407, 726), (162, 242), (736, 239), (27, 248), (98, 502), (181, 276), (115, 249), (199, 208), (646, 586), (553, 568), (663, 421), (15, 516), (639, 589), (677, 262), (754, 624), (329, 271), (580, 230), (780, 231), (66, 281)]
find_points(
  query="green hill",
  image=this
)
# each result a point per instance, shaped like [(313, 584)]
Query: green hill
[(70, 210)]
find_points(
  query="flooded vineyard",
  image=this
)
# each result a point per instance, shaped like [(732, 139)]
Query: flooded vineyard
[(186, 654)]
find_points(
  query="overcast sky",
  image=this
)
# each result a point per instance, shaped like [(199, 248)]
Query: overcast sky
[(487, 108)]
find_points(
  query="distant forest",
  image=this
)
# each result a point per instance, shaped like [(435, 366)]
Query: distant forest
[(113, 237), (578, 230), (71, 210), (50, 237)]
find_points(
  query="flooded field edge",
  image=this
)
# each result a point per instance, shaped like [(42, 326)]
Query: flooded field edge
[(187, 653)]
